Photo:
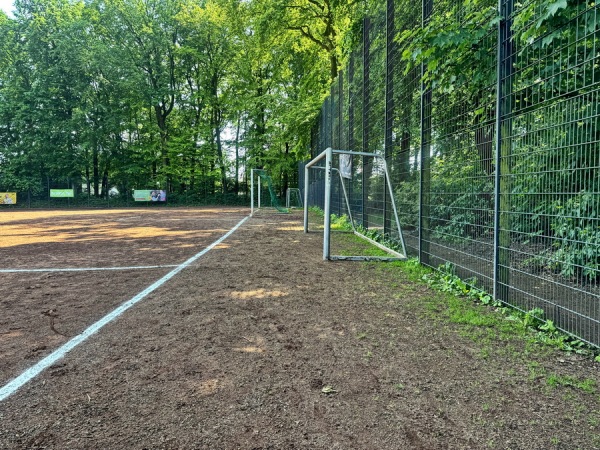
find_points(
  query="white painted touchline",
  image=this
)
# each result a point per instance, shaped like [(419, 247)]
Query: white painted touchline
[(87, 269), (14, 385)]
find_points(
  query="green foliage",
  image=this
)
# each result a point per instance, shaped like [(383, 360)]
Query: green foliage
[(445, 280), (460, 198), (587, 385), (407, 199), (131, 93), (577, 249), (340, 223), (543, 330), (461, 28), (316, 210), (380, 238)]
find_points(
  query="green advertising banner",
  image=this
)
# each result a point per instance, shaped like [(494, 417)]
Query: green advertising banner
[(61, 193), (8, 198), (154, 195)]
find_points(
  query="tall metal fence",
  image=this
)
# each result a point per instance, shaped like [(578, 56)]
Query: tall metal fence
[(498, 176)]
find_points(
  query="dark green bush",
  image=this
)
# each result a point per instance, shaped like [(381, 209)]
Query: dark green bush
[(577, 229)]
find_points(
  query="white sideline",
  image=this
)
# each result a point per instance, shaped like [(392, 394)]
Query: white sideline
[(14, 385), (86, 269)]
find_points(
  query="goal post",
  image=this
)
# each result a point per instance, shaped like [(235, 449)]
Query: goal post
[(330, 171)]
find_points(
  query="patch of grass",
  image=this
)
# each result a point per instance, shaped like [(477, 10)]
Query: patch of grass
[(553, 380), (340, 223), (535, 371), (412, 269), (532, 324), (484, 353), (464, 313), (353, 245), (586, 385)]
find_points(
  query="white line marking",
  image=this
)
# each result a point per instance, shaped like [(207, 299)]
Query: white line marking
[(10, 388), (86, 269)]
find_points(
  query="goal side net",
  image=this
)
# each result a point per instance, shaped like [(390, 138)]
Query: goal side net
[(356, 185)]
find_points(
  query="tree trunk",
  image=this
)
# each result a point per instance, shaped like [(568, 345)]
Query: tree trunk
[(96, 171), (220, 155), (105, 187), (87, 172), (161, 120)]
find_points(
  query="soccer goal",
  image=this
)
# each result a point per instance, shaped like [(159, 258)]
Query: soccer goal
[(293, 198), (263, 184), (343, 169)]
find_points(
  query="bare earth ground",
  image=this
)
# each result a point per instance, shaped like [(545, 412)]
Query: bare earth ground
[(236, 350)]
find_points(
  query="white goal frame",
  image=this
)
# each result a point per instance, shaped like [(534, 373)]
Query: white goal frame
[(288, 197), (252, 192), (329, 170)]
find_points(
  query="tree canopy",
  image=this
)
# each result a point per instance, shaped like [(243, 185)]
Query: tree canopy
[(176, 94)]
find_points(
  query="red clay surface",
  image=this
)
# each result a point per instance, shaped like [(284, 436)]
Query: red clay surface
[(260, 344)]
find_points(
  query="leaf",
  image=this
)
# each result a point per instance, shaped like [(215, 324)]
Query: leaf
[(554, 7), (548, 39)]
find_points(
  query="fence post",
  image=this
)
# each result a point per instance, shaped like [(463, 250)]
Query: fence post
[(390, 46), (504, 70), (351, 143), (332, 108), (365, 120), (425, 173), (340, 108), (340, 128)]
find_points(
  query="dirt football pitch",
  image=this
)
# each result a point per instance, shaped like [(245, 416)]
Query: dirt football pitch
[(154, 329)]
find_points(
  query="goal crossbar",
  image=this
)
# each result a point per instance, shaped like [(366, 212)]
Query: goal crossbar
[(327, 154)]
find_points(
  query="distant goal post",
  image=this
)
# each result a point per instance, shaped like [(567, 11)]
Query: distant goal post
[(329, 170)]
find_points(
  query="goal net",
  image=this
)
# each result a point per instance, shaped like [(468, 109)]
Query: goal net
[(334, 181)]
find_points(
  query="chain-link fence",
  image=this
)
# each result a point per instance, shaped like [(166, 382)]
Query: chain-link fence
[(497, 175)]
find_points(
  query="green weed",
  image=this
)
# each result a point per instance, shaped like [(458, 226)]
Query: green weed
[(586, 385), (541, 330)]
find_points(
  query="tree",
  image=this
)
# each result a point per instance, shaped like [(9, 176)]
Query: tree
[(146, 34)]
